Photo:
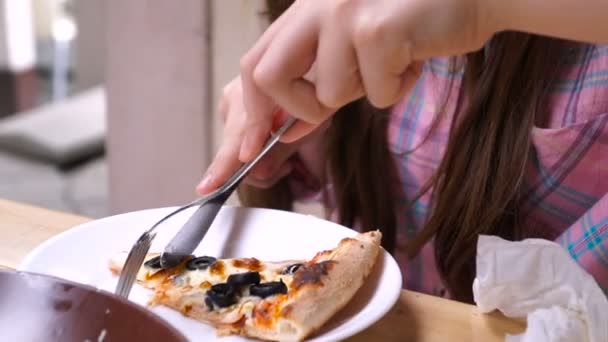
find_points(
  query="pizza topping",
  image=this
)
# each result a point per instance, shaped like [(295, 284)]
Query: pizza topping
[(226, 294), (209, 303), (244, 279), (222, 295), (268, 289), (217, 268), (249, 305), (311, 274), (235, 318), (266, 312), (179, 280), (153, 263), (251, 264), (291, 269), (200, 263)]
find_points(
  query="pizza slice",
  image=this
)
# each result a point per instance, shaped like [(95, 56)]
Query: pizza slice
[(270, 300)]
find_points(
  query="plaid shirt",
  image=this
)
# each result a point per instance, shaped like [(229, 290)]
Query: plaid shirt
[(566, 183)]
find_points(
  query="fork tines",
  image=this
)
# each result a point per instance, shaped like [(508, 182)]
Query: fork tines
[(133, 264)]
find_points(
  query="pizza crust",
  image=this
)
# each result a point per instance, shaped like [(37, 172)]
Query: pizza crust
[(315, 303)]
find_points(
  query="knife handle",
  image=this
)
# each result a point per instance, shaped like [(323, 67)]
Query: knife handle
[(194, 230)]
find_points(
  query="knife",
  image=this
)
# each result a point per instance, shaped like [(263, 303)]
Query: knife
[(192, 233)]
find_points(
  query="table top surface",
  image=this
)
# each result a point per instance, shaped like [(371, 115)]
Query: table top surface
[(415, 317)]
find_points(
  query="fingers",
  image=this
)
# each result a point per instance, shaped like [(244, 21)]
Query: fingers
[(258, 130), (337, 80), (225, 163), (382, 60), (269, 170), (259, 105), (297, 131), (411, 76), (272, 79), (280, 71), (256, 101), (268, 182), (227, 93), (233, 151), (226, 160), (273, 167)]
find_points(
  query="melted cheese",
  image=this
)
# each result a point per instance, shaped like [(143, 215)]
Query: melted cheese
[(197, 282), (195, 278), (268, 272)]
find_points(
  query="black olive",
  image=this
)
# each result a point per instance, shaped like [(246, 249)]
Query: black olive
[(222, 295), (268, 289), (244, 279), (291, 269), (200, 263), (209, 303), (153, 263)]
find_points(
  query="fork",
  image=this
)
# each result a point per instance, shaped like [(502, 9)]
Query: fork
[(216, 198)]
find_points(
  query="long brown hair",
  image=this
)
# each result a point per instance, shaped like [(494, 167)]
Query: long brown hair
[(478, 184)]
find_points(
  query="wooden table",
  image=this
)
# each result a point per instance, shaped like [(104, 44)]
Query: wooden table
[(416, 317)]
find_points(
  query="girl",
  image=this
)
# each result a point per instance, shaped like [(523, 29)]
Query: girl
[(508, 137)]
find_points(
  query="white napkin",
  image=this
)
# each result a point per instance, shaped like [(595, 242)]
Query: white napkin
[(539, 280)]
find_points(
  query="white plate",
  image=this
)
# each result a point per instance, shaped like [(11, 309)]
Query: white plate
[(81, 254)]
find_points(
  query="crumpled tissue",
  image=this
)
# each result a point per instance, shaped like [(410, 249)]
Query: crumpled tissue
[(539, 280)]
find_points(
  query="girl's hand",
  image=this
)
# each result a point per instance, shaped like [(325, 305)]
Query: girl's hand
[(320, 55), (372, 48), (269, 170)]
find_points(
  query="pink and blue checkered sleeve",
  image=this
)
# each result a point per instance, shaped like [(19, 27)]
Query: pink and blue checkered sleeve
[(587, 242)]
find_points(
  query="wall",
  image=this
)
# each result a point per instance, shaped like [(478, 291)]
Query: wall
[(90, 16), (158, 88), (166, 67), (235, 25)]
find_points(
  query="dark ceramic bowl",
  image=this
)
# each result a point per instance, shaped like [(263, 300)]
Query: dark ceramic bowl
[(35, 307)]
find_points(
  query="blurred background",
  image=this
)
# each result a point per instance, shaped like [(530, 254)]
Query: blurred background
[(108, 106)]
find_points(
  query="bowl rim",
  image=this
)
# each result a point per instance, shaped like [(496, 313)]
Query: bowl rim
[(104, 293)]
